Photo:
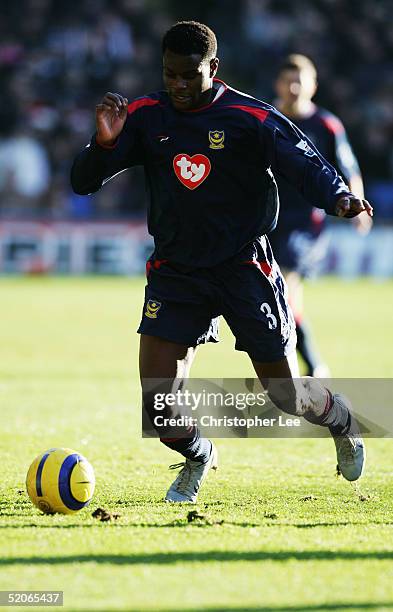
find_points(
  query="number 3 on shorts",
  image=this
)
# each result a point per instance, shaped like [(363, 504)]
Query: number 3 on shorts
[(271, 319)]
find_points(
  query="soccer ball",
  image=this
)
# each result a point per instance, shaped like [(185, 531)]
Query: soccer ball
[(60, 480)]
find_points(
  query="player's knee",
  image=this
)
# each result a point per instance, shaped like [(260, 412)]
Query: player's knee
[(282, 393), (301, 397), (184, 365)]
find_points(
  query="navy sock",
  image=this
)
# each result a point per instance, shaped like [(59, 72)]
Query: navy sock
[(194, 448), (306, 347), (342, 425), (185, 440)]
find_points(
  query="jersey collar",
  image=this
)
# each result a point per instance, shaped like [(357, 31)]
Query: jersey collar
[(220, 88)]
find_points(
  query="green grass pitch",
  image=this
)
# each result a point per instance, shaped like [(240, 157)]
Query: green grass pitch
[(279, 532)]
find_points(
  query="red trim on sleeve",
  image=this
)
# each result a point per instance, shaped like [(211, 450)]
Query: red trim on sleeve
[(133, 106), (263, 266), (333, 124), (259, 113)]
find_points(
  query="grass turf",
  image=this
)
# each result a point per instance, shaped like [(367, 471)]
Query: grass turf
[(278, 531)]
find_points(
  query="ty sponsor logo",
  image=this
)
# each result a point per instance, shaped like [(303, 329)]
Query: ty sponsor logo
[(191, 170), (216, 139), (152, 308)]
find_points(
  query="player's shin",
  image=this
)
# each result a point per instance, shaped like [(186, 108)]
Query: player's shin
[(308, 398), (316, 403), (175, 429)]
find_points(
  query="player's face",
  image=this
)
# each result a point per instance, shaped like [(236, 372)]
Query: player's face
[(291, 85), (188, 79)]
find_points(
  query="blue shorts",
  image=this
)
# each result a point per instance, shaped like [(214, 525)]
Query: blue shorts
[(183, 305)]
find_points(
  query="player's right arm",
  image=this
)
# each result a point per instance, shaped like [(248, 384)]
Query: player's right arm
[(292, 155), (113, 148), (343, 158)]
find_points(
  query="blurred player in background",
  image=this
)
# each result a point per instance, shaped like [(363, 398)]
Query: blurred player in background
[(299, 242), (209, 154)]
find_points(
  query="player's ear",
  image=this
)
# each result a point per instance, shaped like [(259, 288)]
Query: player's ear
[(214, 66)]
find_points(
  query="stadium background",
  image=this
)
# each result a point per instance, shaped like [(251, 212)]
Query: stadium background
[(57, 60), (276, 531)]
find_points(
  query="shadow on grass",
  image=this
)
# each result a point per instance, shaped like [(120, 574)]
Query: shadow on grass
[(182, 523), (207, 556), (11, 514), (336, 524), (301, 608)]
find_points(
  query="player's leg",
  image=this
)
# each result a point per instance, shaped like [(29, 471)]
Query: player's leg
[(171, 362), (159, 358), (298, 253), (256, 309), (308, 398), (176, 317), (305, 340), (174, 321), (295, 395)]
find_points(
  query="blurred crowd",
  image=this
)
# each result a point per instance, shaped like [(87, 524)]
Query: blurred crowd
[(57, 59)]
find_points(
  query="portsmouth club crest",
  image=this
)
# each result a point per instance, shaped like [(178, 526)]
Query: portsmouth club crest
[(152, 308), (216, 139)]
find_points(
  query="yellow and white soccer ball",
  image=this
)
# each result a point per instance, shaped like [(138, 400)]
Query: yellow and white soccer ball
[(60, 480)]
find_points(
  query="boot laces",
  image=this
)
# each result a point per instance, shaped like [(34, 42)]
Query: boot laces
[(347, 449), (183, 478)]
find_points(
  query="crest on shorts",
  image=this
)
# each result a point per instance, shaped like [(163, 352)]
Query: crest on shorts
[(152, 308), (216, 139)]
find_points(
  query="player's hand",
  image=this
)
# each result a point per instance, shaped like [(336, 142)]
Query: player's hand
[(362, 223), (350, 206), (111, 116)]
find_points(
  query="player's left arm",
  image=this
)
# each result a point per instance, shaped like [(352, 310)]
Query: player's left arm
[(291, 154), (347, 164)]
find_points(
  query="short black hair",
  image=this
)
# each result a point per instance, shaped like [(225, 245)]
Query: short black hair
[(189, 37)]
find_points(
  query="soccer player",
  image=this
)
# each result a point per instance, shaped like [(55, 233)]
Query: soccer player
[(299, 242), (210, 154)]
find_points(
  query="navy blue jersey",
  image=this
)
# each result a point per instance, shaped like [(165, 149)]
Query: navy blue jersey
[(210, 172), (327, 133)]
